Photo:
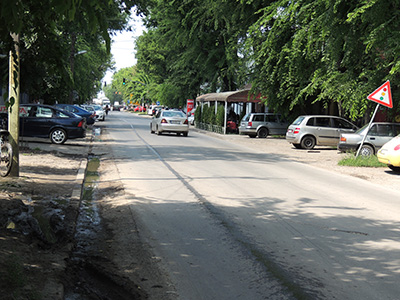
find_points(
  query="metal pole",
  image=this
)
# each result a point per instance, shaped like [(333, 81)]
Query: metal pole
[(368, 128), (225, 116)]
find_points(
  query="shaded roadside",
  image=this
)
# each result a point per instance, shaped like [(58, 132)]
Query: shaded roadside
[(38, 211)]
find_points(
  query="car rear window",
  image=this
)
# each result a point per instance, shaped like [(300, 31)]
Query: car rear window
[(168, 114), (246, 118), (299, 120)]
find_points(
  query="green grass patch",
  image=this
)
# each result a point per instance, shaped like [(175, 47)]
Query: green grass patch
[(361, 161)]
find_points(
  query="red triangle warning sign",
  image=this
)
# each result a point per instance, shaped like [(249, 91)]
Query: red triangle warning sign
[(382, 95)]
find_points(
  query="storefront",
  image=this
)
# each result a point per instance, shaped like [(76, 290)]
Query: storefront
[(234, 102)]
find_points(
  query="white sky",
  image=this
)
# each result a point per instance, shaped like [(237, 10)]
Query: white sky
[(122, 47)]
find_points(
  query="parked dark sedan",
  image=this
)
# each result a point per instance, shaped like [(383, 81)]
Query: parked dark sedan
[(43, 121), (89, 116)]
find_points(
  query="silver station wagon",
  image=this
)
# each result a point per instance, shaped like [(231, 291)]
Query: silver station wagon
[(378, 135), (262, 125), (308, 131)]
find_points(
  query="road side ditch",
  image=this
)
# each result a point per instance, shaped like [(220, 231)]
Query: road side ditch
[(109, 259)]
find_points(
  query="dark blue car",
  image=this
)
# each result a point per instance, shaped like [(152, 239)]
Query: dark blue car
[(44, 121), (90, 117)]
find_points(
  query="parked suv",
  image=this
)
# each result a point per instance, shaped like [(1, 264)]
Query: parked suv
[(262, 124), (308, 131), (378, 135)]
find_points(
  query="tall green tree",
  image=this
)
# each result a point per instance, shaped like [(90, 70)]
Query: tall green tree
[(197, 46), (52, 34), (324, 55)]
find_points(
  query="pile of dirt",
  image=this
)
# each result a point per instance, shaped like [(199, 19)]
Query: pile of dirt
[(37, 213)]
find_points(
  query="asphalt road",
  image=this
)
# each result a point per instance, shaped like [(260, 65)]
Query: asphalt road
[(231, 222)]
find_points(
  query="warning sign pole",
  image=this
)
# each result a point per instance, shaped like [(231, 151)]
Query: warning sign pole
[(368, 128), (382, 95)]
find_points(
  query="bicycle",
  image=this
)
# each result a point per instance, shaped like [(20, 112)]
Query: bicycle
[(6, 153)]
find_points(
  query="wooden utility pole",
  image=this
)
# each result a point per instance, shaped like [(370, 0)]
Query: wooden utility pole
[(13, 100)]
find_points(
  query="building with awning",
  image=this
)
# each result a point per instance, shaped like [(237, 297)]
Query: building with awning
[(234, 100)]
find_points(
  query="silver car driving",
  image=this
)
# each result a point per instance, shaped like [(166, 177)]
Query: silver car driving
[(170, 121)]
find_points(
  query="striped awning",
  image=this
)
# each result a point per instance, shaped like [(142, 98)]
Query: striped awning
[(236, 96)]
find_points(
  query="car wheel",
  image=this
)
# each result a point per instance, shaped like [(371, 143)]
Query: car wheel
[(58, 136), (185, 133), (308, 142), (262, 133), (367, 150), (394, 169)]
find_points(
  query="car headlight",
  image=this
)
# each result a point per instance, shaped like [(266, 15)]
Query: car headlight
[(382, 151)]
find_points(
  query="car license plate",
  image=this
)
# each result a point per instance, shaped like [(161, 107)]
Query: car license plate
[(175, 122)]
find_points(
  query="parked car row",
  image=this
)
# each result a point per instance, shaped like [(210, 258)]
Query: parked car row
[(97, 110), (58, 123), (308, 131), (44, 121), (89, 116)]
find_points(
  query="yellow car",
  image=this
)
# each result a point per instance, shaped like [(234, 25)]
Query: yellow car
[(390, 154)]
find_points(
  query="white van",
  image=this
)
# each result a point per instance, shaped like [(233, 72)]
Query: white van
[(105, 103), (116, 106)]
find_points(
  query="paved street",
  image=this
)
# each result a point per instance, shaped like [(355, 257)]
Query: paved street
[(231, 222)]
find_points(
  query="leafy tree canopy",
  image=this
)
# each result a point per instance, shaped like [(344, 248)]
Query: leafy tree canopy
[(304, 56), (64, 44)]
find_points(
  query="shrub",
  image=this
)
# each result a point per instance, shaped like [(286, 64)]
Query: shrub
[(220, 117)]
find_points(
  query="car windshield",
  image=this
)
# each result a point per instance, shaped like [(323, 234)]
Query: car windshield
[(88, 108), (97, 107), (362, 129), (171, 114)]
